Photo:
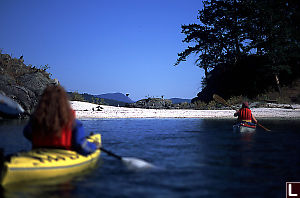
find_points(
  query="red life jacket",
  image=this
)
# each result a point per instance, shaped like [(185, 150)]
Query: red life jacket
[(52, 140), (245, 114)]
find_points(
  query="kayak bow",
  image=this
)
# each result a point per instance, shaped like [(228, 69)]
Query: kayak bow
[(46, 163), (244, 127)]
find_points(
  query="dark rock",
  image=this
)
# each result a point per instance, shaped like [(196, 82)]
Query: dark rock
[(26, 98), (36, 82), (6, 80), (160, 103), (152, 103)]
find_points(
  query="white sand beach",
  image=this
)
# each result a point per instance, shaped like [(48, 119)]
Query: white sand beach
[(85, 110)]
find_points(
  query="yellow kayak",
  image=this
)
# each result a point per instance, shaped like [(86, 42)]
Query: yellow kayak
[(45, 163)]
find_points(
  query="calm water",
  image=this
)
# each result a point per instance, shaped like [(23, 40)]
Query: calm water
[(198, 157)]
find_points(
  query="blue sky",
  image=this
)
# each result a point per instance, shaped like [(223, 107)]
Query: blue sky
[(105, 46)]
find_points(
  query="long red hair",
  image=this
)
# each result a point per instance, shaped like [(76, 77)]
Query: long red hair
[(53, 112)]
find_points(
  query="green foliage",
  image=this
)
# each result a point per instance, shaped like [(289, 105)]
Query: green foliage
[(200, 105), (297, 99), (185, 105), (236, 100), (99, 101), (44, 67), (77, 96), (212, 105)]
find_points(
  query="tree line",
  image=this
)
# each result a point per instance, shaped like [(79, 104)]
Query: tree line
[(245, 47)]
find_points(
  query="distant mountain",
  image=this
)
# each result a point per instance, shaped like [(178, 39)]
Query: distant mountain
[(179, 100), (116, 96), (98, 99)]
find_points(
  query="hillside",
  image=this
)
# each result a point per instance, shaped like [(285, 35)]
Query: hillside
[(234, 80), (288, 94), (116, 97)]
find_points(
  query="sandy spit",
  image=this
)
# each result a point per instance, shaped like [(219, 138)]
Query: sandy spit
[(89, 110)]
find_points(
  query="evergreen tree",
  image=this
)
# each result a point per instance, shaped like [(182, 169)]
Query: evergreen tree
[(219, 37), (233, 33), (273, 29)]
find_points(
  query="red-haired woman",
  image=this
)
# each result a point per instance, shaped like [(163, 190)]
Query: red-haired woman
[(53, 124)]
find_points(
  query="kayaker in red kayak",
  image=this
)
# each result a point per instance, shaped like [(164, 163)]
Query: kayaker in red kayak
[(245, 114), (53, 124)]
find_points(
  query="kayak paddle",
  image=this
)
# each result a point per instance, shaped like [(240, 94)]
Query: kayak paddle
[(222, 101), (130, 162)]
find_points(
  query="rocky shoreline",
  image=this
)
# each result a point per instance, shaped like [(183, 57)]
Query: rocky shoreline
[(22, 83), (86, 110)]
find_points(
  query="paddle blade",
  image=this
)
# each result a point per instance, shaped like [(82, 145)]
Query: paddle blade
[(9, 107), (136, 164)]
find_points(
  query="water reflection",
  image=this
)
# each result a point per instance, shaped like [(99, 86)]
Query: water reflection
[(247, 141), (11, 136), (39, 189), (63, 186)]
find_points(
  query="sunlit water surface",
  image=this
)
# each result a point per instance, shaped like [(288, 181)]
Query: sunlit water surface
[(197, 158)]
